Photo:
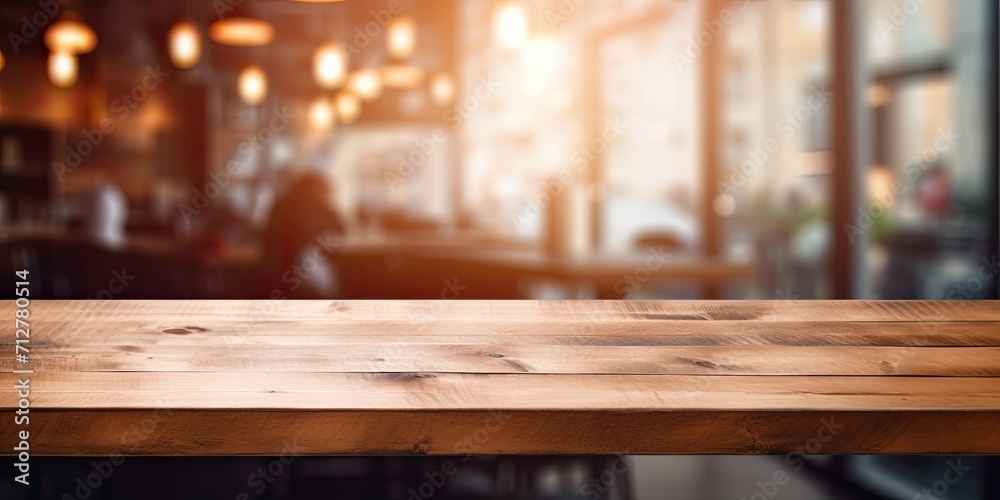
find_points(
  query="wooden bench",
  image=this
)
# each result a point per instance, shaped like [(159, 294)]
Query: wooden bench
[(507, 377)]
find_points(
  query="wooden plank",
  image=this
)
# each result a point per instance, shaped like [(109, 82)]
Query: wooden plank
[(291, 331), (549, 392), (108, 313), (507, 358), (237, 432)]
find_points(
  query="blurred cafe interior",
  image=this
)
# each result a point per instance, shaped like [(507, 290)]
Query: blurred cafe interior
[(440, 149), (506, 149)]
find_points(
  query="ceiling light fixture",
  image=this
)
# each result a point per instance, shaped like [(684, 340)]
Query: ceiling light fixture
[(401, 38), (321, 115), (366, 84), (70, 35), (252, 85), (63, 69), (442, 89), (241, 32), (330, 66), (348, 107), (510, 24), (185, 45)]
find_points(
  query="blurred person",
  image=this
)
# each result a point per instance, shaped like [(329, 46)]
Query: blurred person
[(297, 240), (105, 211)]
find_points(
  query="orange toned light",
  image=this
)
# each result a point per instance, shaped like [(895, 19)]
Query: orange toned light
[(442, 89), (241, 32), (185, 45), (62, 69), (402, 76), (348, 107), (252, 85), (3, 61), (510, 24), (541, 54), (879, 95), (70, 35), (401, 40), (330, 66), (724, 205), (879, 182), (321, 115), (366, 84)]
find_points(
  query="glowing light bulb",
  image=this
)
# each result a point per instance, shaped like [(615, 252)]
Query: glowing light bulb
[(321, 115), (62, 69), (348, 107), (442, 89), (253, 85), (401, 40), (510, 25), (366, 84), (541, 54), (185, 45), (241, 32), (330, 66)]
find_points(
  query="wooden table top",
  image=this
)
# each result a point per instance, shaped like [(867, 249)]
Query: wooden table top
[(454, 377)]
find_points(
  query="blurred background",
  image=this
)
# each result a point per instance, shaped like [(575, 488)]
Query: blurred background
[(501, 149), (520, 149)]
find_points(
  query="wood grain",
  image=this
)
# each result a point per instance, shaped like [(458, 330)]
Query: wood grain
[(445, 391), (415, 377), (593, 333), (395, 356), (515, 311)]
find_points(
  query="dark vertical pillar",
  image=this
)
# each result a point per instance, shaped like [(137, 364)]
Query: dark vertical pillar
[(993, 139), (710, 114), (844, 147)]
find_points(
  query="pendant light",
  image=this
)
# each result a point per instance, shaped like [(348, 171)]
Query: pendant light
[(241, 29), (63, 69), (330, 66), (348, 107), (70, 35), (321, 115), (442, 89), (184, 42), (510, 24), (366, 83), (401, 38), (252, 85), (66, 38)]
